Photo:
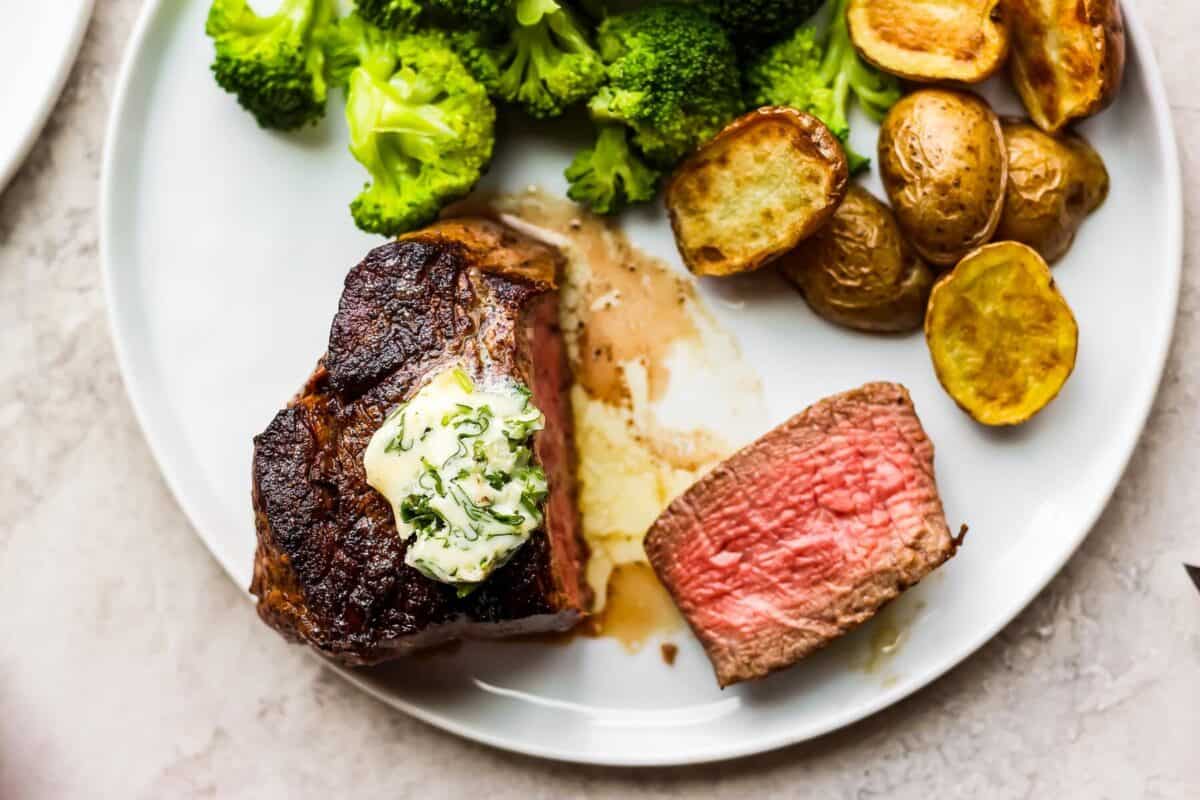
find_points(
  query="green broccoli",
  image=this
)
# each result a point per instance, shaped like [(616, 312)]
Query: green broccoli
[(407, 15), (482, 14), (672, 78), (753, 23), (547, 62), (390, 14), (273, 65), (816, 69), (352, 39), (609, 176), (421, 125), (351, 42)]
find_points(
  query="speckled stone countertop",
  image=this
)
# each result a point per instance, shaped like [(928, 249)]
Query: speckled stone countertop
[(130, 666)]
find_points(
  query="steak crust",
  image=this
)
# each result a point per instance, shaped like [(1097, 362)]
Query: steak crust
[(805, 533), (329, 568)]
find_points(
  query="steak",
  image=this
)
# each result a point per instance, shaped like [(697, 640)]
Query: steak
[(805, 533), (329, 569)]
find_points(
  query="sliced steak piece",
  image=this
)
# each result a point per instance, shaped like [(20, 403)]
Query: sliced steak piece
[(330, 568), (805, 533)]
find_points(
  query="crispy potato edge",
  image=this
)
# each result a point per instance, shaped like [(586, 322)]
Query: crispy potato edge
[(825, 148)]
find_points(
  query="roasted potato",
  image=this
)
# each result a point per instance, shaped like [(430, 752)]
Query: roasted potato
[(858, 270), (1002, 338), (930, 40), (944, 167), (767, 181), (1053, 184), (1068, 57)]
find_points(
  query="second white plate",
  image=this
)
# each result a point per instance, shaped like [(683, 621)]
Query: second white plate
[(38, 44)]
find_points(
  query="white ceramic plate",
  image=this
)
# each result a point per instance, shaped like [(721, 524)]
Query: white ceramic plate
[(224, 250), (38, 43)]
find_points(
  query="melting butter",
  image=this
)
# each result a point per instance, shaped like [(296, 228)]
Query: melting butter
[(455, 462)]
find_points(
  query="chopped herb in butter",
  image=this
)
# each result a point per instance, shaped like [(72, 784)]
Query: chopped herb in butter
[(455, 463)]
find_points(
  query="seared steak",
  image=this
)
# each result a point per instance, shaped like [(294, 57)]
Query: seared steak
[(805, 533), (330, 568)]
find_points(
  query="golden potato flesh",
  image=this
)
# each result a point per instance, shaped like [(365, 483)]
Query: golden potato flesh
[(1068, 57), (767, 181), (944, 167), (858, 271), (930, 40), (1053, 184), (1002, 338)]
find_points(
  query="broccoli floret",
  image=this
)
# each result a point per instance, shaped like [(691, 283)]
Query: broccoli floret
[(477, 50), (406, 15), (423, 128), (672, 76), (390, 14), (547, 63), (352, 40), (481, 14), (752, 23), (816, 69), (273, 65), (609, 176)]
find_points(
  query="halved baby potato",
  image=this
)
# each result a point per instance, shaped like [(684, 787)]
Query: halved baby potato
[(1053, 184), (930, 40), (944, 167), (858, 270), (763, 184), (1068, 57), (1002, 337)]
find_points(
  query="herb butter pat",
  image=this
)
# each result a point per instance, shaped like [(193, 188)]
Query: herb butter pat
[(455, 463)]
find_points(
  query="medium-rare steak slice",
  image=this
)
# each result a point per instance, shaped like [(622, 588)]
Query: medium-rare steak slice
[(330, 567), (805, 533)]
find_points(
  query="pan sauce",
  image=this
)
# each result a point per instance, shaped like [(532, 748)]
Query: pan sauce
[(638, 336)]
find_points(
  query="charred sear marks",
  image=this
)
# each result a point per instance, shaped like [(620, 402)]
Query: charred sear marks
[(330, 565)]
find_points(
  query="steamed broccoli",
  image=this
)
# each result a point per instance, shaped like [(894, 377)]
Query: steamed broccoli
[(753, 23), (672, 78), (409, 14), (477, 50), (351, 42), (609, 175), (352, 39), (421, 125), (390, 14), (272, 64), (481, 14), (547, 63), (815, 70)]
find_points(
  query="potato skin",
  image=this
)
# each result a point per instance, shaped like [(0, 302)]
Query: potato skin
[(927, 41), (944, 167), (858, 271), (1053, 184), (768, 180), (1076, 72)]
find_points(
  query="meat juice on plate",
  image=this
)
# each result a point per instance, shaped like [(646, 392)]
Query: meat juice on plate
[(642, 347)]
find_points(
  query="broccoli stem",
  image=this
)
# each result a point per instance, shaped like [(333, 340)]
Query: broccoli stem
[(875, 93), (531, 12), (299, 12), (609, 175), (397, 107), (571, 37)]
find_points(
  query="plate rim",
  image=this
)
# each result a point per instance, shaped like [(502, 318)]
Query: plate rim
[(1168, 151), (10, 165)]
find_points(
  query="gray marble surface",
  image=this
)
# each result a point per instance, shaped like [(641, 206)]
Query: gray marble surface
[(130, 666)]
